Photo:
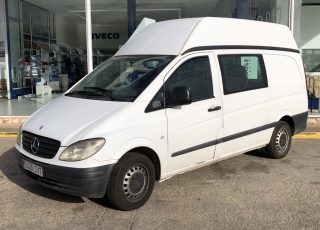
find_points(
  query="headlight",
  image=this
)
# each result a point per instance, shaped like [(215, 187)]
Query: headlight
[(82, 150), (19, 136)]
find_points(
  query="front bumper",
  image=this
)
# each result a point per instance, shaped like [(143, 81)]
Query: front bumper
[(86, 182)]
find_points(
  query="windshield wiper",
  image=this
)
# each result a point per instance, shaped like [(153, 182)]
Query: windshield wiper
[(83, 92), (99, 89), (109, 92), (90, 93)]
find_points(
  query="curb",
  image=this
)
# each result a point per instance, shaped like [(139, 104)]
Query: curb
[(305, 135), (12, 120)]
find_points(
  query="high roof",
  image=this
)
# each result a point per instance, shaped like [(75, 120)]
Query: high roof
[(176, 36)]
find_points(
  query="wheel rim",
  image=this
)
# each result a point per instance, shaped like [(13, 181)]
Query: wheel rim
[(282, 140), (135, 182)]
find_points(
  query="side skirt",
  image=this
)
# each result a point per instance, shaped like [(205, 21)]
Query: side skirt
[(205, 163)]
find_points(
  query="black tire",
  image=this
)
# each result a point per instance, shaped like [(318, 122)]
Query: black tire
[(131, 182), (280, 141)]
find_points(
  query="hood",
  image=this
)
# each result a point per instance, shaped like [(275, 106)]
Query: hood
[(68, 119)]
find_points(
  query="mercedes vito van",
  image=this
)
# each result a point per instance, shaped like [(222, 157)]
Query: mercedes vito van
[(177, 96)]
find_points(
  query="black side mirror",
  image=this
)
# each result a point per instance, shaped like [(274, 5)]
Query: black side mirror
[(181, 95)]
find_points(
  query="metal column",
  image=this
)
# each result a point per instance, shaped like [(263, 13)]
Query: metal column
[(291, 15), (89, 36), (131, 7), (10, 93)]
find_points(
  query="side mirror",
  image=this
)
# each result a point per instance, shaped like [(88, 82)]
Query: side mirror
[(181, 95)]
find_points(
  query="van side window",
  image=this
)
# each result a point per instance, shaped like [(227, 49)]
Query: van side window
[(195, 74), (242, 72)]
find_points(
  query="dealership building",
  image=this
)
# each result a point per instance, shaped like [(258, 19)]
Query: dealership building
[(45, 47)]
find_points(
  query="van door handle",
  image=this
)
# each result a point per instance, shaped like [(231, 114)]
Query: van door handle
[(214, 108)]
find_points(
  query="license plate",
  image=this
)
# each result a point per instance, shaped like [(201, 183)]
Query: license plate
[(32, 168)]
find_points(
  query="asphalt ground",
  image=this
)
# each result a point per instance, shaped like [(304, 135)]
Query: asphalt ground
[(249, 191)]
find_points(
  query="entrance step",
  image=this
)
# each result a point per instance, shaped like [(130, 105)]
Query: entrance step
[(11, 120), (313, 120), (6, 121)]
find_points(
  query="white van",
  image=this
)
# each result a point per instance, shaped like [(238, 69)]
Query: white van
[(177, 96)]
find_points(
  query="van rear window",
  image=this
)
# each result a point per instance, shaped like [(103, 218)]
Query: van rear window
[(242, 72)]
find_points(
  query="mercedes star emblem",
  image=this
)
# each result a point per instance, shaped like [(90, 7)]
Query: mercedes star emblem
[(35, 145)]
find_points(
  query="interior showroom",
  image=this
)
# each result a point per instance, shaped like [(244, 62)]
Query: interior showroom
[(44, 43)]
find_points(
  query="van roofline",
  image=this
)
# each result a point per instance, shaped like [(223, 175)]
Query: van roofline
[(176, 37), (201, 48)]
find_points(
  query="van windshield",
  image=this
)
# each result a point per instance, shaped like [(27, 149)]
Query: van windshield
[(121, 78)]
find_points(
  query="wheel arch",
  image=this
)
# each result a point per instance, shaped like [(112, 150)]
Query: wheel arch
[(151, 154), (145, 147), (153, 157), (288, 119)]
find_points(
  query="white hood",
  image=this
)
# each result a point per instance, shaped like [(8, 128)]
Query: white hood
[(68, 119)]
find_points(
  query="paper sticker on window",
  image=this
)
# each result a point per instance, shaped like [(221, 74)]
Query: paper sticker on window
[(251, 65)]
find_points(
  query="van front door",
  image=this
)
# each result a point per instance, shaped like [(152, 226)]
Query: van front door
[(192, 129)]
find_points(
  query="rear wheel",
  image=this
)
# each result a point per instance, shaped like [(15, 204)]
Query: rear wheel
[(280, 141), (131, 182)]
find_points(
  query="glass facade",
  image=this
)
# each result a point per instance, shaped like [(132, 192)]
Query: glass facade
[(3, 54), (261, 10), (55, 33), (28, 37), (307, 36)]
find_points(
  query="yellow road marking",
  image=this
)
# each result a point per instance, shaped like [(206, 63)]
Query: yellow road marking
[(307, 135), (6, 134)]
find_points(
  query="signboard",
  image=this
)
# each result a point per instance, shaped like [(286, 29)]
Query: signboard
[(105, 36), (251, 65)]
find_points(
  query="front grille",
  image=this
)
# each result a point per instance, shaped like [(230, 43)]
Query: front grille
[(48, 148)]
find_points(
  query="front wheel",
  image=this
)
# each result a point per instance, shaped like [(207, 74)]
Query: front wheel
[(131, 182), (280, 141)]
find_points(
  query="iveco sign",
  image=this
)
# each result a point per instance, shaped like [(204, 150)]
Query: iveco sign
[(105, 35)]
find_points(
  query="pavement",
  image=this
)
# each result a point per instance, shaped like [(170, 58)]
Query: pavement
[(9, 128), (249, 191)]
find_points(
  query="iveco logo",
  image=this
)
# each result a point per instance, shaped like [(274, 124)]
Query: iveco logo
[(105, 35), (35, 145)]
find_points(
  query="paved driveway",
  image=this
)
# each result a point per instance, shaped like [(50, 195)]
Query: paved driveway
[(244, 192)]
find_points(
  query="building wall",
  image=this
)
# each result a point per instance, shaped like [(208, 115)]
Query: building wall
[(68, 33), (310, 28)]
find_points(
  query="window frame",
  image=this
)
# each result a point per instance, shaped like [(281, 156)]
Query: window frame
[(264, 76), (149, 107)]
